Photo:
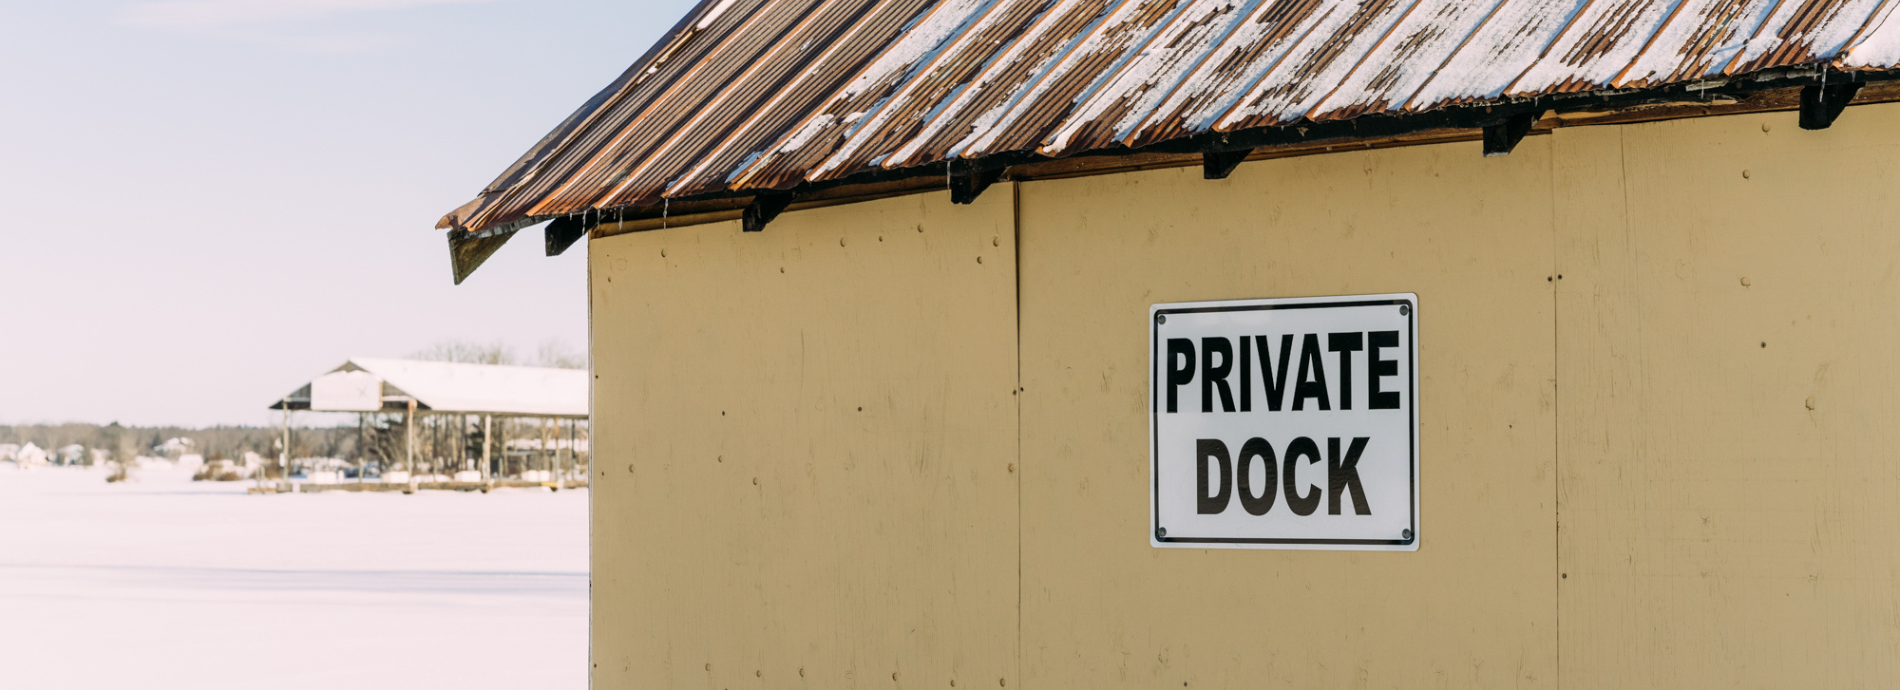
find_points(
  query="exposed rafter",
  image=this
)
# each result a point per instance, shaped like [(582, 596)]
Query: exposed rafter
[(763, 209), (1501, 138), (1217, 165), (1820, 105)]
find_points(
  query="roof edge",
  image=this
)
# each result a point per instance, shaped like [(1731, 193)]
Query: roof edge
[(1762, 91)]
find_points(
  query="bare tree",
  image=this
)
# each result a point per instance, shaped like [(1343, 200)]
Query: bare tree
[(556, 353), (467, 351)]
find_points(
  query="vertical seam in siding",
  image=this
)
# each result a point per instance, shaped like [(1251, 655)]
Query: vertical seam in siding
[(1022, 469), (1556, 425)]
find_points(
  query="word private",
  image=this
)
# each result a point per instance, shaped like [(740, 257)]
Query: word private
[(1285, 423)]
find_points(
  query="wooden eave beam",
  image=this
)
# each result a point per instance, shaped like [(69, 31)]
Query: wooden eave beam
[(763, 209), (967, 185), (1822, 104), (1501, 138), (1217, 165)]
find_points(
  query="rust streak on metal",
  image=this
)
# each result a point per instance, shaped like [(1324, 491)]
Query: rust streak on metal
[(806, 94)]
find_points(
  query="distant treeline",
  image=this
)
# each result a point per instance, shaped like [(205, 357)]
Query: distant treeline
[(382, 437), (214, 443)]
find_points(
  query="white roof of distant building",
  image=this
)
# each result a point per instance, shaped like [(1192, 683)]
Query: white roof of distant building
[(457, 388)]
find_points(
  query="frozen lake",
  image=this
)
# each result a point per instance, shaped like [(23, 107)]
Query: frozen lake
[(169, 583)]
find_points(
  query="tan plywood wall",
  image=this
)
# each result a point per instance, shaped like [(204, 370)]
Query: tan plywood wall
[(807, 439), (1474, 607), (1730, 403), (1671, 467)]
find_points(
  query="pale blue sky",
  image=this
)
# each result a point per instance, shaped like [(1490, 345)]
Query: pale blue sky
[(207, 202)]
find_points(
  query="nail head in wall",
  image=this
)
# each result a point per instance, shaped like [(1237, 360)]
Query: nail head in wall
[(979, 259), (1764, 128), (1745, 282), (1745, 174), (662, 253)]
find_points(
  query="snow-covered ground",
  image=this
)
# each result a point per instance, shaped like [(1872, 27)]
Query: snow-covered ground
[(167, 583)]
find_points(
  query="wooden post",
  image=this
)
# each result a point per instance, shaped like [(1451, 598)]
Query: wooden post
[(362, 458), (488, 439), (409, 437), (504, 448), (285, 456)]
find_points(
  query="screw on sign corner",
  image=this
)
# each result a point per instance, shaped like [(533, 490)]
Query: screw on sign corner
[(1161, 533), (1161, 318)]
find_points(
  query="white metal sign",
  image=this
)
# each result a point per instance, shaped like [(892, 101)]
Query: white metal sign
[(1285, 423), (346, 391)]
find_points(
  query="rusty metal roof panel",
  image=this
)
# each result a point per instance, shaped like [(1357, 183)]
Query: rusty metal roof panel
[(1318, 64), (712, 165), (863, 102), (795, 68), (1804, 31), (1234, 68), (752, 95), (1406, 58), (1509, 41), (1697, 42), (1600, 42)]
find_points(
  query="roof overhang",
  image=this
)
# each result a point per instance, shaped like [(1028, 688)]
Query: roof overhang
[(735, 115)]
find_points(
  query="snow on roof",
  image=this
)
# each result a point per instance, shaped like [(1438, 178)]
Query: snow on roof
[(749, 96), (463, 388)]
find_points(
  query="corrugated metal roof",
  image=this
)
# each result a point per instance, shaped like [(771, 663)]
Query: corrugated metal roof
[(753, 95)]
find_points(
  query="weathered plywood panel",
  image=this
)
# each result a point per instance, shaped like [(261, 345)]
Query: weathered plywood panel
[(1728, 397), (806, 450), (1475, 606)]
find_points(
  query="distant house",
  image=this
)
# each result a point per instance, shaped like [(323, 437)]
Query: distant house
[(173, 448), (71, 454), (30, 455)]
